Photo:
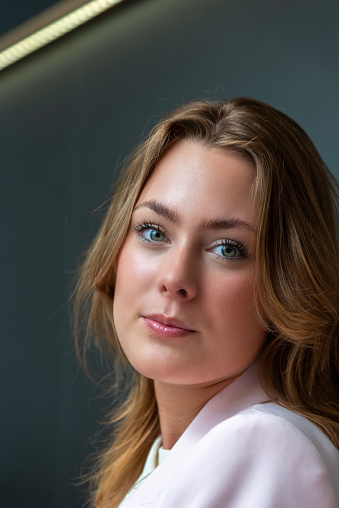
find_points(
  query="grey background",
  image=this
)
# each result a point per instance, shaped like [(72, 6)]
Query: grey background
[(16, 12), (68, 115)]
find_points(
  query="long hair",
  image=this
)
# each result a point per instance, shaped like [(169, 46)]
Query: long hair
[(297, 274)]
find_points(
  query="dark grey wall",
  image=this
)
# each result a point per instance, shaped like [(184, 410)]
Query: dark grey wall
[(67, 115), (16, 12)]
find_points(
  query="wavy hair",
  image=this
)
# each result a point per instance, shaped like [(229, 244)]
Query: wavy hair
[(297, 275)]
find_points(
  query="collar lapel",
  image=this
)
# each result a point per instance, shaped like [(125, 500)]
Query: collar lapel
[(244, 392)]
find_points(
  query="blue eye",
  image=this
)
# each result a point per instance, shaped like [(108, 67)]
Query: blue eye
[(150, 232), (153, 235), (229, 249), (226, 251)]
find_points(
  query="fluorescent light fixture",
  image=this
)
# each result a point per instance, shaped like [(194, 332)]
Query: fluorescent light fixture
[(53, 31)]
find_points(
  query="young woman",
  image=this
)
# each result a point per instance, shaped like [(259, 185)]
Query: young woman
[(214, 280)]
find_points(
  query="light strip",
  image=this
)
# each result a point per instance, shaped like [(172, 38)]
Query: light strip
[(53, 31)]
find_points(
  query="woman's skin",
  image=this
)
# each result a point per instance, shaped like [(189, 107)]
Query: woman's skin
[(183, 304)]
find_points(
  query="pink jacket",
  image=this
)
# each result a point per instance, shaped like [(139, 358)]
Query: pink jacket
[(243, 451)]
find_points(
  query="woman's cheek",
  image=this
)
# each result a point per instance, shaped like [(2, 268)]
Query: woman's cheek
[(136, 267), (233, 286)]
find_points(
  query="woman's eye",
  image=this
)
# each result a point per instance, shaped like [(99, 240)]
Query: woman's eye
[(148, 232), (226, 251), (153, 235)]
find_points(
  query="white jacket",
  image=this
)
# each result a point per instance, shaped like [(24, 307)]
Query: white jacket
[(242, 451)]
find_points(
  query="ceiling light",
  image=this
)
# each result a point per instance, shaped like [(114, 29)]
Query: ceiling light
[(53, 31)]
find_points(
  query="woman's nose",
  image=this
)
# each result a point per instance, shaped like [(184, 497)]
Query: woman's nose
[(178, 275)]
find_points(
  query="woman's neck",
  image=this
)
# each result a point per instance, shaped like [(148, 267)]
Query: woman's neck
[(179, 405)]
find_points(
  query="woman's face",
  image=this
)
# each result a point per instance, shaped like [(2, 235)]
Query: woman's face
[(183, 305)]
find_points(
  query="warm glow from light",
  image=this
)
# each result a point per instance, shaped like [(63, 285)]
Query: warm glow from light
[(53, 31)]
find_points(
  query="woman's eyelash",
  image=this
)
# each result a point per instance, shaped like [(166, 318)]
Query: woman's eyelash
[(243, 251), (145, 226)]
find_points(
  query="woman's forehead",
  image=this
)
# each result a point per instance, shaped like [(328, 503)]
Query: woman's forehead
[(209, 183)]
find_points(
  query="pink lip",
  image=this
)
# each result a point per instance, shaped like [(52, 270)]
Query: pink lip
[(167, 327)]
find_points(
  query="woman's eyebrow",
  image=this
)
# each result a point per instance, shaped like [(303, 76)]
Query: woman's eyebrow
[(173, 216), (226, 223), (160, 209)]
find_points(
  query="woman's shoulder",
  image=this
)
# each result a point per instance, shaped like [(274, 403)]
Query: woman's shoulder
[(264, 456), (288, 423), (274, 429)]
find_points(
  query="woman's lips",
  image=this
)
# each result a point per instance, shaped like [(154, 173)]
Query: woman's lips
[(167, 327)]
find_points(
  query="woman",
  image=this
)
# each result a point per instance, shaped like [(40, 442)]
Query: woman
[(214, 279)]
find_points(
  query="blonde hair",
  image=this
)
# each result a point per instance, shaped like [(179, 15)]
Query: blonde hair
[(297, 274)]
